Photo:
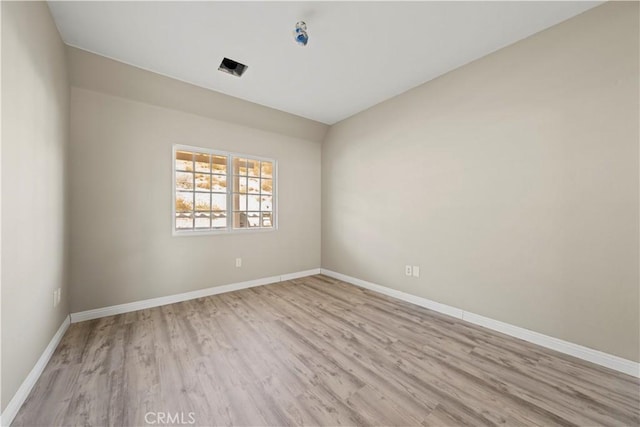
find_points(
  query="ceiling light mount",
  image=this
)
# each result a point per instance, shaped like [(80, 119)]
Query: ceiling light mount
[(300, 33)]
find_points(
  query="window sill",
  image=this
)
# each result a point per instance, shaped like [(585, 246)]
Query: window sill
[(192, 233)]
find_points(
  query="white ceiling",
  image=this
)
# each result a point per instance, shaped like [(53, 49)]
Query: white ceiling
[(359, 53)]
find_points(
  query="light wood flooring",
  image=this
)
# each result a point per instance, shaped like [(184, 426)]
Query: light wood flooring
[(315, 351)]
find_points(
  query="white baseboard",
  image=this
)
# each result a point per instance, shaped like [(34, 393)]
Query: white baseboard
[(21, 395), (422, 302), (299, 274), (581, 352), (170, 299), (585, 353)]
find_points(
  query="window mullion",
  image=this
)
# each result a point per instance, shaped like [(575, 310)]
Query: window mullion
[(193, 188), (229, 192)]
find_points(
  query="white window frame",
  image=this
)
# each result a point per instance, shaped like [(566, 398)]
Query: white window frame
[(229, 228)]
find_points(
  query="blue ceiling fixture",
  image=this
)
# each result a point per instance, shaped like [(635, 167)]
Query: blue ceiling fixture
[(300, 33)]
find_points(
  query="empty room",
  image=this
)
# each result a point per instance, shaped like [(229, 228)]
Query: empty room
[(365, 213)]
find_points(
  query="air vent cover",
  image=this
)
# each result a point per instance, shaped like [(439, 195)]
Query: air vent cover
[(232, 67)]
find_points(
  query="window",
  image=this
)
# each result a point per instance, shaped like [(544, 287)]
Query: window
[(219, 192)]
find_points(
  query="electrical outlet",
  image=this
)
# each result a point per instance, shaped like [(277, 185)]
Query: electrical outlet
[(56, 297), (238, 262), (407, 270), (416, 271)]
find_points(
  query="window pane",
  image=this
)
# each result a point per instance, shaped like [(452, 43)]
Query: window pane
[(184, 221), (203, 220), (253, 219), (254, 185), (184, 180), (184, 160), (267, 203), (219, 164), (203, 201), (219, 220), (203, 162), (253, 167), (239, 220), (239, 166), (267, 219), (267, 186), (218, 183), (241, 186), (239, 202), (203, 181), (267, 169), (219, 202), (254, 203), (184, 201)]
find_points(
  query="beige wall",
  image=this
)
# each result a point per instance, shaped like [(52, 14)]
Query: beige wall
[(512, 182), (122, 249), (35, 116)]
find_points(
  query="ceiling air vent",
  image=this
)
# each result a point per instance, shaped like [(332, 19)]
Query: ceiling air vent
[(232, 67)]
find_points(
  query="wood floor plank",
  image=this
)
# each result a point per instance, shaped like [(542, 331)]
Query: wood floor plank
[(401, 376), (568, 387), (315, 351), (400, 392)]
